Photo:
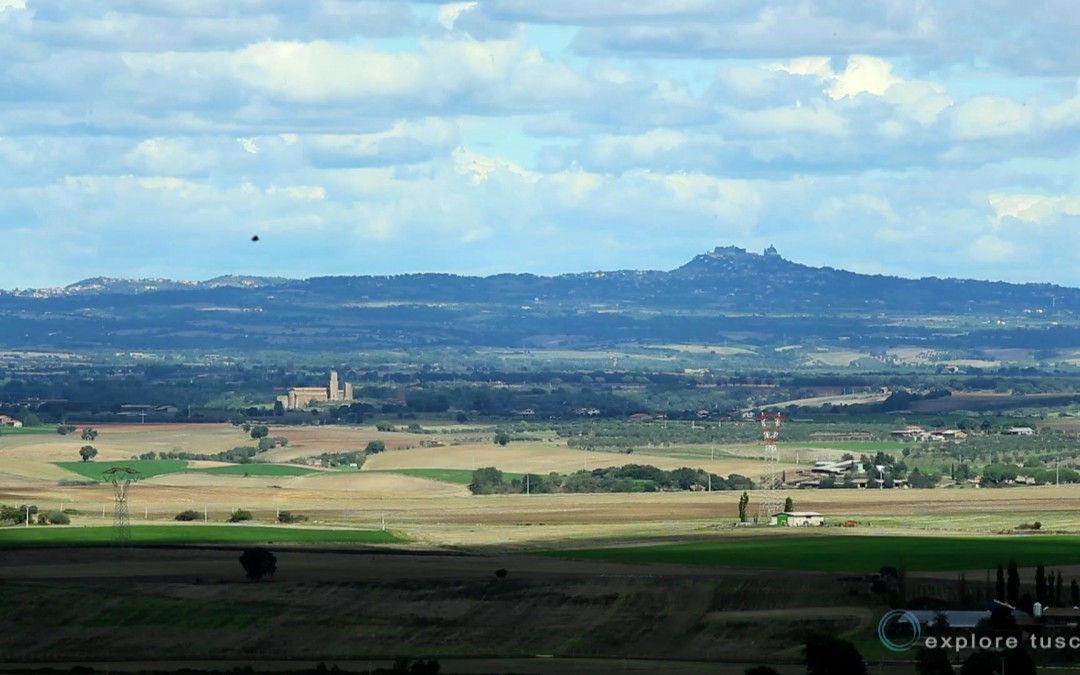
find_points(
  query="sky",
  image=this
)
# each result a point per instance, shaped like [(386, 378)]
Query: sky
[(154, 138)]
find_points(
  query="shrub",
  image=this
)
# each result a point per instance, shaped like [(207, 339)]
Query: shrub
[(53, 518), (374, 447), (240, 515), (186, 516), (290, 517)]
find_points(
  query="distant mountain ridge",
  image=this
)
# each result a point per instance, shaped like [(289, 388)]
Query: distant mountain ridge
[(107, 285), (726, 278), (725, 292)]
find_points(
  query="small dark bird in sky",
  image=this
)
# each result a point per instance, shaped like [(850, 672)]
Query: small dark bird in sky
[(255, 238)]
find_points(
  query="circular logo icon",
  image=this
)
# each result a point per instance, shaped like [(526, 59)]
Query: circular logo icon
[(891, 619)]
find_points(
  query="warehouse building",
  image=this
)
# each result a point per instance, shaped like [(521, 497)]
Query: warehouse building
[(800, 519)]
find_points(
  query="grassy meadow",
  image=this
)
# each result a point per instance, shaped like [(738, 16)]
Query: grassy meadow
[(191, 533), (857, 554)]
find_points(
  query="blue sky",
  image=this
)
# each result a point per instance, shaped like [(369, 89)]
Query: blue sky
[(152, 138)]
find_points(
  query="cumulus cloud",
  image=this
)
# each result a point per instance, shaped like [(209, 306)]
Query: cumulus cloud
[(559, 135), (1034, 208)]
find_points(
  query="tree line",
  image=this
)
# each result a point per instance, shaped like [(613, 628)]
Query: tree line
[(629, 478)]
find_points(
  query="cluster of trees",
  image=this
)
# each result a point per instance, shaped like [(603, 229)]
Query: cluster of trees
[(1049, 588), (336, 459), (902, 400), (629, 478), (18, 515), (998, 475), (238, 455)]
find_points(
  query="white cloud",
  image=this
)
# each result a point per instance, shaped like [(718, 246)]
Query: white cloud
[(449, 13), (171, 156), (598, 139), (639, 147), (403, 143), (1034, 208), (992, 249), (249, 145), (986, 117), (314, 192)]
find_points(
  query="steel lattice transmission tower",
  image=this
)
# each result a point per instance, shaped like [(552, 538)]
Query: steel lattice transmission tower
[(121, 478), (771, 481)]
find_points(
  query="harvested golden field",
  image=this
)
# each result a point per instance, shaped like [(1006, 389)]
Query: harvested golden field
[(720, 350), (441, 513), (833, 357), (543, 458)]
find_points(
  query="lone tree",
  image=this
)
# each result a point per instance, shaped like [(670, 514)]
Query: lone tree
[(375, 447), (89, 434), (87, 452), (260, 431), (743, 502), (789, 504), (1000, 588), (258, 563), (1012, 585), (502, 438), (1040, 584)]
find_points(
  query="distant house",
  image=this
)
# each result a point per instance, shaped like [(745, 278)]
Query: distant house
[(1019, 431), (911, 432), (952, 434), (800, 519), (835, 468), (6, 421)]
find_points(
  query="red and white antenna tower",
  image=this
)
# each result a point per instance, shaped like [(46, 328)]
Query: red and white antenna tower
[(771, 481)]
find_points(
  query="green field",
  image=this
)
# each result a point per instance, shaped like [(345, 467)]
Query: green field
[(24, 431), (145, 467), (156, 467), (457, 476), (191, 534), (850, 553)]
